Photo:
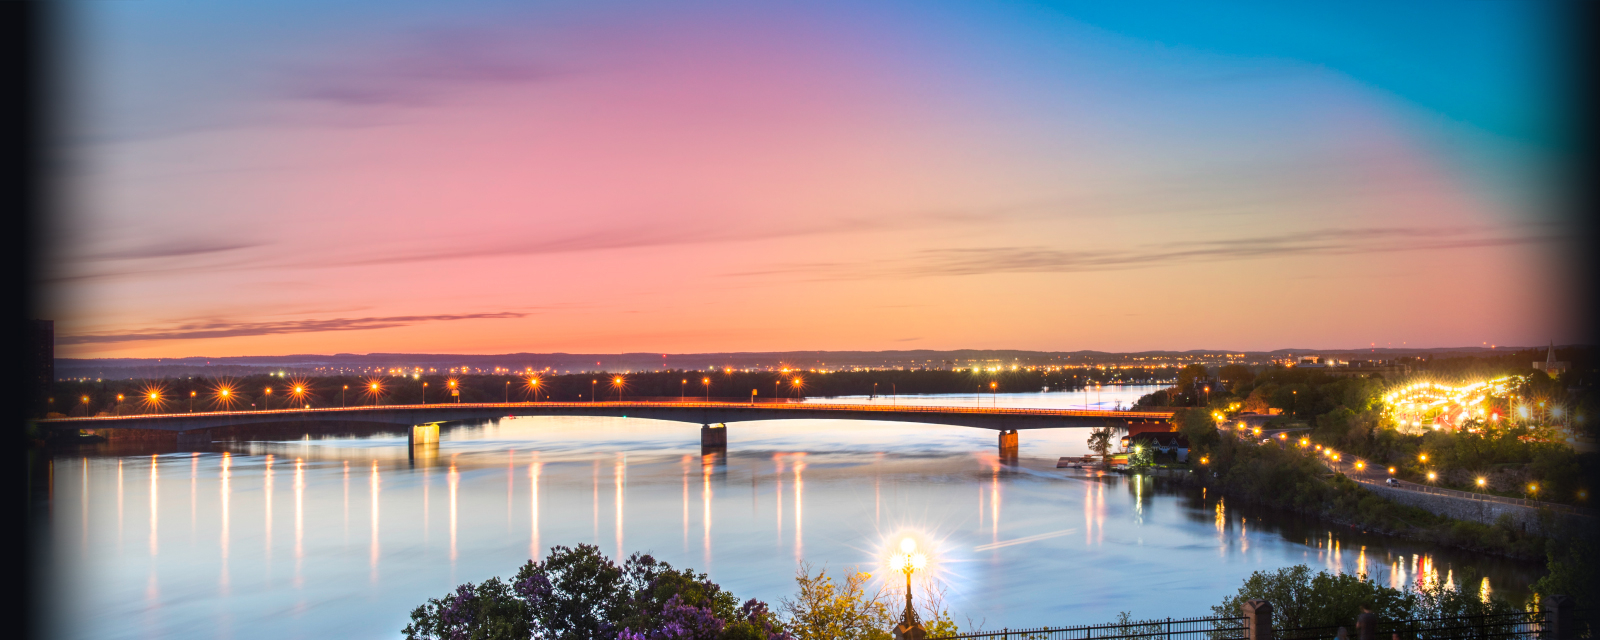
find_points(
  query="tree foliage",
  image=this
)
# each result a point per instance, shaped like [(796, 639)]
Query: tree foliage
[(579, 594), (826, 610), (1301, 599)]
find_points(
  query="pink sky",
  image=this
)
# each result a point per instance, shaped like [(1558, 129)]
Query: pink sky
[(745, 181)]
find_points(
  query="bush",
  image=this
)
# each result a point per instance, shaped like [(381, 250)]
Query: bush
[(579, 594), (1300, 599)]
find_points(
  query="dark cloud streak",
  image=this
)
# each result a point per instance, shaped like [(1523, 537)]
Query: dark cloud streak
[(220, 329), (959, 262)]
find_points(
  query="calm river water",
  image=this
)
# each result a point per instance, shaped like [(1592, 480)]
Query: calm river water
[(341, 537)]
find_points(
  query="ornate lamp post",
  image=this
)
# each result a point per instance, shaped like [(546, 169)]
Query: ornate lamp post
[(910, 627)]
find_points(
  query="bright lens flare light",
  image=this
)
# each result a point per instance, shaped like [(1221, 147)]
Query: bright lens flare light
[(908, 550)]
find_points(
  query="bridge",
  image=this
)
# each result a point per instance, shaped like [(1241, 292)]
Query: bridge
[(424, 420)]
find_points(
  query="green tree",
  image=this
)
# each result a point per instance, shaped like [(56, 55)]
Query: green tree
[(1573, 572), (1100, 442), (1198, 425), (1141, 458), (825, 610), (489, 611), (1300, 598), (1238, 377)]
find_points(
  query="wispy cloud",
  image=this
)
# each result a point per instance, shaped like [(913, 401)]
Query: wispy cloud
[(168, 249), (421, 70), (225, 329), (1037, 259)]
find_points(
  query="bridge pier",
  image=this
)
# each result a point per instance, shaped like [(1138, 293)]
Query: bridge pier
[(1008, 444), (424, 434), (713, 438)]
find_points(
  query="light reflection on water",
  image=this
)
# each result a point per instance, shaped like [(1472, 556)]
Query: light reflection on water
[(1005, 538)]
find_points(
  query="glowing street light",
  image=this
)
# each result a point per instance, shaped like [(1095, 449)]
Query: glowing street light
[(707, 382), (617, 382), (1432, 476), (1482, 482), (910, 561)]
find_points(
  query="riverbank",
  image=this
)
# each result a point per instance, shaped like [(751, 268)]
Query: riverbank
[(1281, 479)]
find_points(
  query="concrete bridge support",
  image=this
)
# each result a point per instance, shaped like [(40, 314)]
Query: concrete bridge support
[(1008, 444), (713, 438), (424, 434)]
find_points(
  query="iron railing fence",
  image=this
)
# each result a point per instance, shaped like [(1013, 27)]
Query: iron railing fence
[(1376, 480), (1520, 624), (1210, 628)]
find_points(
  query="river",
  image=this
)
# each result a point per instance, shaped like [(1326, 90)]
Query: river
[(341, 537)]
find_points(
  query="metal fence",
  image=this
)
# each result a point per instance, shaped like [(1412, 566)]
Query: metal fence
[(1529, 625), (1154, 629), (1481, 497), (1521, 624)]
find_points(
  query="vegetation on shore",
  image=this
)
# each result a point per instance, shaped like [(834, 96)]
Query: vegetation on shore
[(1347, 415), (1290, 480), (1301, 599), (580, 594)]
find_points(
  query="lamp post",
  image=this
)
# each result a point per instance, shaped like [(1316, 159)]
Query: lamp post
[(341, 395), (994, 394), (617, 382), (910, 562), (508, 392), (683, 390), (707, 382), (424, 393), (591, 389), (191, 401), (266, 400)]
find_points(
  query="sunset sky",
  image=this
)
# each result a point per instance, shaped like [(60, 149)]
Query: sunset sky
[(253, 178)]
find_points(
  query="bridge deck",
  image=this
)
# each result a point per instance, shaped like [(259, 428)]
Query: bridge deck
[(687, 411)]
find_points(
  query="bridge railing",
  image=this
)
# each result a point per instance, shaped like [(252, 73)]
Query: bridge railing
[(630, 404)]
